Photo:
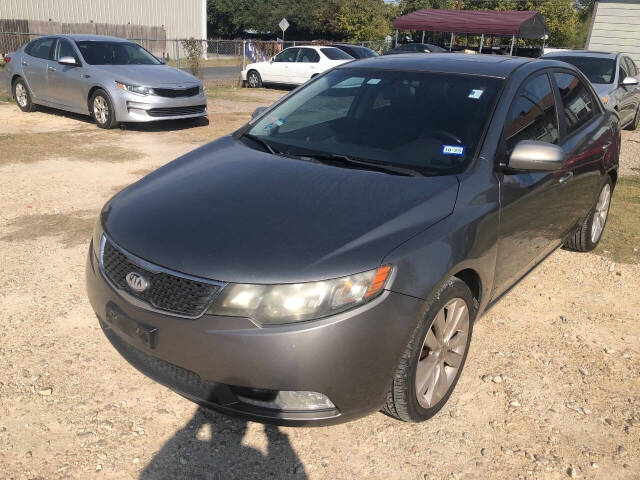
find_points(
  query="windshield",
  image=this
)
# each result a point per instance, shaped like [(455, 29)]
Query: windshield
[(115, 53), (597, 70), (429, 122)]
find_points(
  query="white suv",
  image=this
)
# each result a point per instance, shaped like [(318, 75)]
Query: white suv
[(294, 65)]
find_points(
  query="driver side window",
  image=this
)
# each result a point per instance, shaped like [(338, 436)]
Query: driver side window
[(533, 114), (64, 49)]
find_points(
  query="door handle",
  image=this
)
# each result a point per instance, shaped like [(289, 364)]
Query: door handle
[(51, 69), (25, 64), (565, 178), (606, 145)]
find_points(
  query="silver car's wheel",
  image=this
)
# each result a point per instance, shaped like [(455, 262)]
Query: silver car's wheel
[(100, 110), (442, 353), (21, 95), (600, 213)]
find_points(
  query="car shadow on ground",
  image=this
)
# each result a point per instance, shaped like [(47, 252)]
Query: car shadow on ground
[(210, 446), (154, 126)]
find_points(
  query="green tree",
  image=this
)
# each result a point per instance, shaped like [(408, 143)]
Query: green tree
[(356, 19)]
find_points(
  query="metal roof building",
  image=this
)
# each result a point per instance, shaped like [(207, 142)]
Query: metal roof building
[(180, 19), (615, 27)]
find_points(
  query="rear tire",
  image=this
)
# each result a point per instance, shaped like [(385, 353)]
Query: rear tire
[(254, 80), (22, 96), (587, 237), (102, 110), (433, 360)]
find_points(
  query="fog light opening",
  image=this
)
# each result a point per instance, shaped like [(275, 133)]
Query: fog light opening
[(284, 400)]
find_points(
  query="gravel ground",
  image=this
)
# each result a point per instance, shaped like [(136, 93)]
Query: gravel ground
[(551, 388), (630, 153)]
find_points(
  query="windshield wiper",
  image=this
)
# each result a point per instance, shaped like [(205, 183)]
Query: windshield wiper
[(257, 139), (363, 164)]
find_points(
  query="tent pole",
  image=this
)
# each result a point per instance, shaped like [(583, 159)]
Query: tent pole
[(481, 43), (422, 36), (513, 40), (451, 42), (396, 44)]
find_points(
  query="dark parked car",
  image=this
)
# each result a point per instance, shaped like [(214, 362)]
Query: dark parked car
[(614, 76), (356, 51), (326, 260), (415, 48)]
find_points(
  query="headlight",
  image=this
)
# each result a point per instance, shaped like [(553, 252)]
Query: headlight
[(297, 302), (139, 89)]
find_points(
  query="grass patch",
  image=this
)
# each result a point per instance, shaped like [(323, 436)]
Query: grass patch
[(210, 62), (77, 145), (622, 232), (238, 94)]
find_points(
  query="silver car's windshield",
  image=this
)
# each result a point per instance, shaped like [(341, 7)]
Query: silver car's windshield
[(115, 53), (596, 69), (429, 122)]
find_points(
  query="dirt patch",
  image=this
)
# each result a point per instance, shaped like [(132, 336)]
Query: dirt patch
[(79, 145), (73, 229)]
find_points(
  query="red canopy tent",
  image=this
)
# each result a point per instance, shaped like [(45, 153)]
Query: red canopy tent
[(524, 24)]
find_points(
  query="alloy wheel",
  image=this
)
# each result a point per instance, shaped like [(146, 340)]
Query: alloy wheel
[(442, 353), (21, 95), (253, 80), (100, 109), (600, 213)]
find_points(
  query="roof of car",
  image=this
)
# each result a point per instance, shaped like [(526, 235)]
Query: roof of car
[(315, 47), (581, 53), (86, 37), (488, 65)]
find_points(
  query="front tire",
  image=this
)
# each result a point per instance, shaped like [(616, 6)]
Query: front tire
[(254, 80), (102, 110), (23, 96), (432, 362), (587, 237)]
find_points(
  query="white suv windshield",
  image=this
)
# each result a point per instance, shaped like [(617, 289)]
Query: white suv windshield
[(428, 122)]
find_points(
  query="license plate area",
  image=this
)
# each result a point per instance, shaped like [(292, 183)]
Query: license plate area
[(146, 335)]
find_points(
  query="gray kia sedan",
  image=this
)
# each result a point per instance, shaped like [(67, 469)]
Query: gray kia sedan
[(330, 257), (614, 76), (112, 79)]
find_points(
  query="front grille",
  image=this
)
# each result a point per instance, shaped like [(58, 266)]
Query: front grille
[(168, 292), (176, 111), (176, 92)]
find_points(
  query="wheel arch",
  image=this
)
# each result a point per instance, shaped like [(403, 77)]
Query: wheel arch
[(473, 281), (92, 90)]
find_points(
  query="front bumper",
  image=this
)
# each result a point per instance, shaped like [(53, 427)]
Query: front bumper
[(131, 107), (350, 357)]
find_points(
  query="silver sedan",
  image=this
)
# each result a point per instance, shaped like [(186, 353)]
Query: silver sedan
[(112, 79)]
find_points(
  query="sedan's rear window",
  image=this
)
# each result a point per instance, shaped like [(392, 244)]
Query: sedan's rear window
[(597, 70), (430, 122), (333, 53), (115, 53)]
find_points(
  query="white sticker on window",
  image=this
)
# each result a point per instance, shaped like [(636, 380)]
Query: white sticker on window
[(476, 94), (452, 150)]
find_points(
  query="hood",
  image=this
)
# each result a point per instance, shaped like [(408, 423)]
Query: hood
[(147, 75), (228, 212)]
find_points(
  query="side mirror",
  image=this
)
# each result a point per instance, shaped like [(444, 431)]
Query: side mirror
[(161, 60), (536, 156), (629, 81), (70, 61), (258, 111)]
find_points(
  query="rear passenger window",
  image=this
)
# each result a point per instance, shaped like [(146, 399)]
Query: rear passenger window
[(533, 114), (308, 55), (42, 48), (578, 104)]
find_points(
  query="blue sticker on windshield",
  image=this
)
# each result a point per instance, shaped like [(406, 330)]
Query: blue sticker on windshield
[(452, 150)]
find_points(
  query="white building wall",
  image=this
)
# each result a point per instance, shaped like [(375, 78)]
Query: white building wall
[(616, 28), (180, 18)]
